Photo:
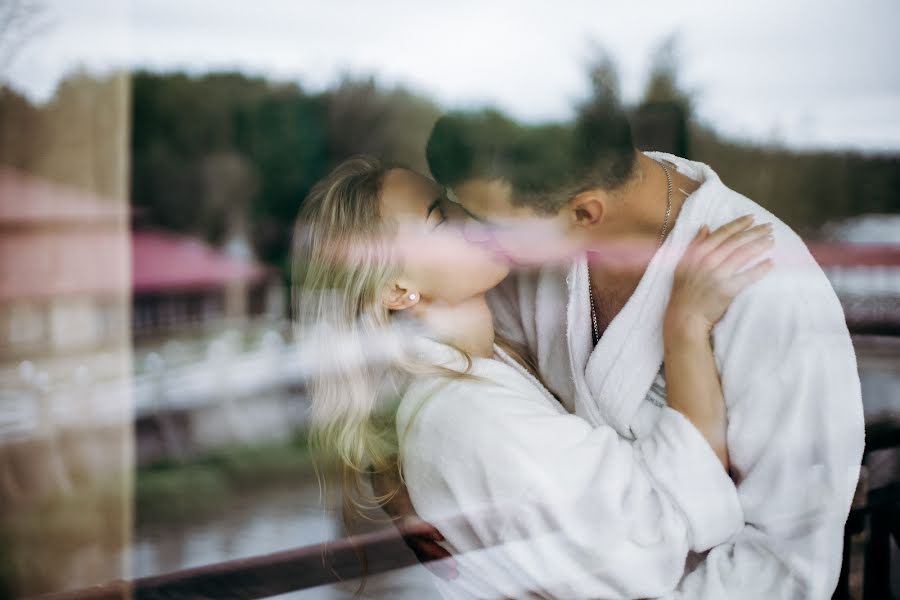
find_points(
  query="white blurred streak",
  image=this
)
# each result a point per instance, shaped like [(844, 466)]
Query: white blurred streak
[(37, 403), (866, 229), (370, 349), (18, 408)]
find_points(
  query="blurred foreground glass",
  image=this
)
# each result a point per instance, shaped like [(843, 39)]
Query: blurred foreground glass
[(66, 449)]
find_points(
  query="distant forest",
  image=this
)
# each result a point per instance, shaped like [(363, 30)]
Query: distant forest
[(226, 153)]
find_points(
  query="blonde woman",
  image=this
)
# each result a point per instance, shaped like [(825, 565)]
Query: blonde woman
[(532, 501)]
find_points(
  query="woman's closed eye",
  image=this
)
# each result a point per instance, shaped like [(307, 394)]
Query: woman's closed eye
[(442, 213), (437, 210)]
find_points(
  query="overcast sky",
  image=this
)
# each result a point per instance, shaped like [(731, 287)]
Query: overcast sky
[(808, 73)]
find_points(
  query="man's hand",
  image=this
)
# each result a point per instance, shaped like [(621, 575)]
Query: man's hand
[(421, 537)]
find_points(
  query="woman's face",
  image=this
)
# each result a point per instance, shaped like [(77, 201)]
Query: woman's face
[(446, 256)]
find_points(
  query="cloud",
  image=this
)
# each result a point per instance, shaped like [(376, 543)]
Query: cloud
[(820, 71)]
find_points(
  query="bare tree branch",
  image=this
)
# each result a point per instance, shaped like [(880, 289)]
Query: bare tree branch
[(20, 22)]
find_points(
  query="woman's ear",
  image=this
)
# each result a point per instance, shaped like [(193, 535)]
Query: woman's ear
[(397, 297), (587, 208)]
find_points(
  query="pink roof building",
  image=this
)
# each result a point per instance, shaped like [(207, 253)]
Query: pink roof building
[(70, 265)]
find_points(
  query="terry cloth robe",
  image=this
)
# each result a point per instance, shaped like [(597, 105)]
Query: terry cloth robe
[(788, 372), (534, 502)]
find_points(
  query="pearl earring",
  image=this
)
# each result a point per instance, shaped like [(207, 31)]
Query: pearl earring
[(413, 297)]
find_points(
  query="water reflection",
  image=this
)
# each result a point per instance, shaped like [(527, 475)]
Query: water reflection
[(244, 524)]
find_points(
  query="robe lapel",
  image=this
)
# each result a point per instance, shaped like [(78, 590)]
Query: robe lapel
[(612, 380)]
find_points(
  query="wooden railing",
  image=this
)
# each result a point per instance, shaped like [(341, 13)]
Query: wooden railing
[(879, 518), (307, 567), (265, 575), (312, 566)]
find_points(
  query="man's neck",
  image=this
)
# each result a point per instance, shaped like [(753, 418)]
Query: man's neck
[(467, 325), (630, 234)]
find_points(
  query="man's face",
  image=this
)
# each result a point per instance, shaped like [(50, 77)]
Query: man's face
[(526, 237)]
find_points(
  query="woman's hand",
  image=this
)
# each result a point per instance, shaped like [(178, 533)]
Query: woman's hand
[(709, 276), (712, 272)]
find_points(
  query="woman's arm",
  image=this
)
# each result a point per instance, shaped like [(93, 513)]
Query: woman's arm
[(693, 387), (534, 500), (708, 277)]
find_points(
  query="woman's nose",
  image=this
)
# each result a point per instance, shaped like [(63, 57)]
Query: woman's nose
[(475, 232)]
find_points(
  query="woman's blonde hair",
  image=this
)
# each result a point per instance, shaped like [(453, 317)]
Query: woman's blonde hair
[(341, 265)]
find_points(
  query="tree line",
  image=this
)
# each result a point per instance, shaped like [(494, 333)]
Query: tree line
[(225, 153)]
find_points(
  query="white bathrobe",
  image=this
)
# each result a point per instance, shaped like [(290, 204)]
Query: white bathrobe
[(788, 371), (536, 503)]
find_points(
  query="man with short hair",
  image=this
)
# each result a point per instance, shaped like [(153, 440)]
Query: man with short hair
[(598, 233)]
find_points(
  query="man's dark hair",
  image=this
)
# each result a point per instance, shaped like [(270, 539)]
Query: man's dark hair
[(546, 165)]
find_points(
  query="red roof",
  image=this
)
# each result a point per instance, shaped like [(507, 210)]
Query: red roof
[(61, 241), (58, 240), (85, 248), (42, 263), (38, 263), (165, 262)]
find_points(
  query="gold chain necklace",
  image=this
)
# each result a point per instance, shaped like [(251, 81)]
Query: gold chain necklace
[(662, 237)]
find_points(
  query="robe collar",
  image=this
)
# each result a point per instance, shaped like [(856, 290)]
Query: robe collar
[(612, 379)]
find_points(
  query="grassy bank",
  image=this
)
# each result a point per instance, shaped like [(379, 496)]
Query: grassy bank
[(172, 492)]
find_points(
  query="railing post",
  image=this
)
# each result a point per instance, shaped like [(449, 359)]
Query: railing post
[(172, 446)]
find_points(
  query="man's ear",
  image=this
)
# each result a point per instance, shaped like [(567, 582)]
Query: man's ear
[(587, 208), (397, 297)]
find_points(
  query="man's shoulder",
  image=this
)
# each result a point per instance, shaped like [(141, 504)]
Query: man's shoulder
[(721, 203), (728, 204), (790, 253), (796, 288)]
